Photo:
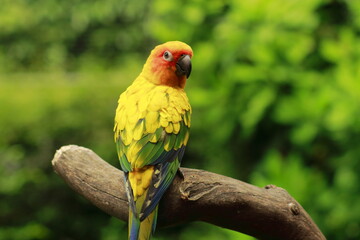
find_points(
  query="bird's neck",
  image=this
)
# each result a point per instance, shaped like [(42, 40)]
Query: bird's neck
[(165, 77)]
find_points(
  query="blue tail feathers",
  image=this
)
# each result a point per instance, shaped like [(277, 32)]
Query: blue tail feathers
[(134, 227), (142, 230)]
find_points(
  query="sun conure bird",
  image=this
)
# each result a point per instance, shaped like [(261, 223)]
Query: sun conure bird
[(151, 132)]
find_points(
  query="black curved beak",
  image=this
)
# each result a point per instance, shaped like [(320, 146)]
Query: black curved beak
[(183, 66)]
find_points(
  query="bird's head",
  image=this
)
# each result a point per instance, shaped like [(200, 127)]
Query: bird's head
[(169, 64)]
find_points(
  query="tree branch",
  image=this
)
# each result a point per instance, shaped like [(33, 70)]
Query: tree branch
[(265, 213)]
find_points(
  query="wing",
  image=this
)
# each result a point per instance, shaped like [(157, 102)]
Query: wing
[(157, 138), (163, 176), (153, 147), (165, 155)]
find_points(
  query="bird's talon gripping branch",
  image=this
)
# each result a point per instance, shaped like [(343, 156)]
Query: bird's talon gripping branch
[(181, 175)]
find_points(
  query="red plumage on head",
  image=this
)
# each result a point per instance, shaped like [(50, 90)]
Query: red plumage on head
[(162, 71)]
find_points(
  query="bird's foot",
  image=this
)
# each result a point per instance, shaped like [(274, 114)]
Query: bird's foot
[(180, 173)]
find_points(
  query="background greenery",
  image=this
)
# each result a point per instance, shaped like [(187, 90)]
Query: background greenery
[(275, 91)]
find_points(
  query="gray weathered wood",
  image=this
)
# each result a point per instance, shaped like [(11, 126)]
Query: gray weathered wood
[(265, 213)]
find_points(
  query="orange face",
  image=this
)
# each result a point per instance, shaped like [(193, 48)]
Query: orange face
[(169, 64)]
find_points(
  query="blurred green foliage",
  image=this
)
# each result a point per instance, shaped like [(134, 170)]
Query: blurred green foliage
[(275, 91)]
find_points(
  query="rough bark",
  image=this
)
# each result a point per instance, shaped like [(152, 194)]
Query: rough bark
[(265, 213)]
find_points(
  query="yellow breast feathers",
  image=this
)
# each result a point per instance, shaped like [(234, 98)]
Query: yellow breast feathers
[(145, 110)]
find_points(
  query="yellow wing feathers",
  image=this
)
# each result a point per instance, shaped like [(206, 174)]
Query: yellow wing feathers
[(148, 108)]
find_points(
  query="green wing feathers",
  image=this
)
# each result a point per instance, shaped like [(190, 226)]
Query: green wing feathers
[(144, 129), (151, 132)]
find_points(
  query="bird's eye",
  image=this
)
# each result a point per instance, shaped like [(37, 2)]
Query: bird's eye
[(168, 56)]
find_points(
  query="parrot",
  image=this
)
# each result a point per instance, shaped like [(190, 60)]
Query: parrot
[(152, 123)]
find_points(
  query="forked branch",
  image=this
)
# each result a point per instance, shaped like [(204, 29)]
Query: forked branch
[(265, 213)]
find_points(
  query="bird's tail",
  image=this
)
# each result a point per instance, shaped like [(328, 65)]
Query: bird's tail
[(142, 230)]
